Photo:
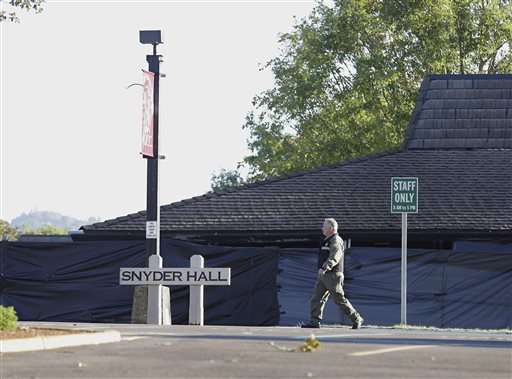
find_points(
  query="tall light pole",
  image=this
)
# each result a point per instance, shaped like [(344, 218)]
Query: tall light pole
[(158, 298), (153, 37)]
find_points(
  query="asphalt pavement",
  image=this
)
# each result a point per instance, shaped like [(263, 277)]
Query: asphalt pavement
[(182, 351)]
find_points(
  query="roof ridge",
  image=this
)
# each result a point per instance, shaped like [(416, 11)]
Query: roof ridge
[(115, 220), (420, 101), (468, 76)]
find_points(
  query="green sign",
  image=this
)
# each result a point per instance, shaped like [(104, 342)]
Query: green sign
[(404, 195)]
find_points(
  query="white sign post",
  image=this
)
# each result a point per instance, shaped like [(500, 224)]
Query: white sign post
[(196, 304), (196, 277), (155, 310), (404, 199)]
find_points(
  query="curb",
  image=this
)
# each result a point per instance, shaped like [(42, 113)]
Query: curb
[(56, 342)]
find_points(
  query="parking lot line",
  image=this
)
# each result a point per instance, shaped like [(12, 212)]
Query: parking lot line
[(388, 350), (320, 336)]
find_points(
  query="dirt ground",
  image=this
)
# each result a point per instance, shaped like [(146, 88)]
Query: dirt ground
[(28, 332)]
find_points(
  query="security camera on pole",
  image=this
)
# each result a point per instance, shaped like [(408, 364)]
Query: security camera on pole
[(158, 297)]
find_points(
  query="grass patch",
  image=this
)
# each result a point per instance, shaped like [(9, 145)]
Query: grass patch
[(434, 328), (424, 327)]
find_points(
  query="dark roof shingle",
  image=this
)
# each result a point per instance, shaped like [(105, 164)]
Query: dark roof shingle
[(458, 190), (461, 112)]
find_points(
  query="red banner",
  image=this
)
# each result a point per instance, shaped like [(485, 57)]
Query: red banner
[(147, 114)]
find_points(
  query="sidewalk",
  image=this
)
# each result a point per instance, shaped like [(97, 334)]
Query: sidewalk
[(88, 337)]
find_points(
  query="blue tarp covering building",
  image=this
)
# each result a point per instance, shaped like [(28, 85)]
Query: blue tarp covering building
[(468, 287)]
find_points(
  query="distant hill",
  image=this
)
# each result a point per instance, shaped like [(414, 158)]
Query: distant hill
[(38, 219)]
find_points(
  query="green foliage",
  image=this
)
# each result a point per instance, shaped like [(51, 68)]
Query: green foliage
[(347, 76), (435, 328), (225, 179), (42, 230), (28, 5), (6, 230), (8, 318), (14, 233)]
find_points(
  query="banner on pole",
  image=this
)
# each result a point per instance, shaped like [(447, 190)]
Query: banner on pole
[(147, 114)]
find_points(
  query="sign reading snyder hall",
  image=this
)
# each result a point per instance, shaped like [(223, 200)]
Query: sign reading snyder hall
[(404, 195), (176, 276)]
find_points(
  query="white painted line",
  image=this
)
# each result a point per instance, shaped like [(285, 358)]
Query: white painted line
[(320, 336), (134, 338), (146, 334), (388, 350)]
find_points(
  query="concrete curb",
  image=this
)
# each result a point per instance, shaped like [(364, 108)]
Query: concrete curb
[(56, 342)]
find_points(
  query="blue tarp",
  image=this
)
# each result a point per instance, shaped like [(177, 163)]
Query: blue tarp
[(469, 286), (79, 282)]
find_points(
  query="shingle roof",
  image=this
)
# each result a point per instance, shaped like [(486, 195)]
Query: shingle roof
[(458, 190), (464, 111), (461, 189)]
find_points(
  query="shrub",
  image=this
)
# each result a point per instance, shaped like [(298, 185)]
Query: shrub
[(8, 318)]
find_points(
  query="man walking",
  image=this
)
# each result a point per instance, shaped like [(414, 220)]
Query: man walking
[(330, 278)]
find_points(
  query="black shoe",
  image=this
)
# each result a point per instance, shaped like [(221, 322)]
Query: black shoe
[(310, 326), (358, 323)]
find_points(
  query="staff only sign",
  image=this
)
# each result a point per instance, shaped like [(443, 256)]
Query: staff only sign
[(175, 276), (404, 195)]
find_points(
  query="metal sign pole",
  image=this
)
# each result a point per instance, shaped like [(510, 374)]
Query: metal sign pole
[(403, 313), (152, 215), (404, 199)]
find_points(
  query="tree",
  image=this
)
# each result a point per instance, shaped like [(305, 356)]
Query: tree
[(347, 76), (48, 229), (7, 231), (225, 179), (35, 5), (13, 233)]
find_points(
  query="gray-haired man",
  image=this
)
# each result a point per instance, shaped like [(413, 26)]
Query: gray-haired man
[(330, 278)]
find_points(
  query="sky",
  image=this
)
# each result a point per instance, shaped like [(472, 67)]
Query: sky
[(70, 130)]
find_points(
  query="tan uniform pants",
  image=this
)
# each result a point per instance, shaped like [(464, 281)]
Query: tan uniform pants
[(331, 283)]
